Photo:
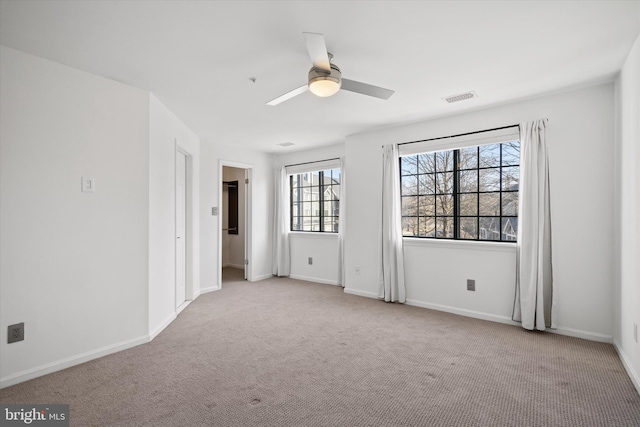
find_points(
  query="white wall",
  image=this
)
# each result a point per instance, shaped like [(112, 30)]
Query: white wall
[(74, 265), (627, 207), (581, 140), (166, 133), (322, 247), (211, 153), (233, 244), (88, 273)]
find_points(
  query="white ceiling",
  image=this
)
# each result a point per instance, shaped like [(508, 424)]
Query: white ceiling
[(198, 57)]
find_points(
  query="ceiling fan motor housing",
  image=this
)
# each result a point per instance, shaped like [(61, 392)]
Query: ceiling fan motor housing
[(323, 83)]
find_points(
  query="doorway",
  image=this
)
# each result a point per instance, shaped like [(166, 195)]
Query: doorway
[(234, 222)]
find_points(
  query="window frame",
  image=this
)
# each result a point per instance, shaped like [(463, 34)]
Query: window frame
[(323, 202), (503, 217)]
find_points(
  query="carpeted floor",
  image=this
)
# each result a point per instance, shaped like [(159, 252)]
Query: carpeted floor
[(282, 352)]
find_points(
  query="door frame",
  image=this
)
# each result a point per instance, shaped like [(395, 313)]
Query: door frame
[(248, 218), (189, 237)]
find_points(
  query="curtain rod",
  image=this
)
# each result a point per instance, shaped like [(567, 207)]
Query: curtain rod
[(461, 134), (315, 161)]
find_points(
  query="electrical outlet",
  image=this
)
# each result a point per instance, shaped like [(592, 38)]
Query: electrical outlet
[(357, 269), (310, 261), (88, 184), (471, 285), (15, 333), (635, 332)]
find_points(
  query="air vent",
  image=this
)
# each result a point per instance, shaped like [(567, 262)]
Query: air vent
[(461, 97), (286, 144)]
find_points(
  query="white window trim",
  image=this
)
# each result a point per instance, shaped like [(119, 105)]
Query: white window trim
[(460, 244), (312, 234)]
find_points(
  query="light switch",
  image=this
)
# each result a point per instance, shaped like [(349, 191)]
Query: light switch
[(88, 184)]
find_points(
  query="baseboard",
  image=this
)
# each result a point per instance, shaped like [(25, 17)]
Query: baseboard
[(238, 266), (578, 333), (59, 365), (261, 277), (314, 279), (162, 326), (209, 289), (361, 293), (463, 312), (591, 336), (185, 305), (635, 379)]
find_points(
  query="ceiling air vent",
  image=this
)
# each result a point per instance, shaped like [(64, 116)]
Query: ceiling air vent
[(286, 144), (461, 97)]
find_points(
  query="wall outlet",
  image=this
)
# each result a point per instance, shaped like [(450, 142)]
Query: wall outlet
[(15, 333), (471, 285), (635, 332), (88, 184), (310, 261), (357, 270)]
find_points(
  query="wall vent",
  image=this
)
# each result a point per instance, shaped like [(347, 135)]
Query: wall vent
[(461, 97)]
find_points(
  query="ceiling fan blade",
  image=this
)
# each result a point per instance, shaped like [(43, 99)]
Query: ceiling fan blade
[(365, 89), (317, 51), (288, 95)]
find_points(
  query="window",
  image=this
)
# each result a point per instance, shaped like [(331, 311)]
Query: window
[(315, 200), (467, 194)]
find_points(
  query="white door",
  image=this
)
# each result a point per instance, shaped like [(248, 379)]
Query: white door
[(181, 225), (246, 222)]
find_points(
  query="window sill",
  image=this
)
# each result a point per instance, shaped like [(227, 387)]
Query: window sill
[(313, 235), (460, 244)]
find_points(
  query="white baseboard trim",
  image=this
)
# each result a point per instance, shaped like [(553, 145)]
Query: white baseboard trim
[(635, 378), (261, 277), (462, 312), (561, 330), (585, 335), (68, 362), (162, 326), (238, 266), (209, 289), (314, 280), (591, 336), (184, 305), (361, 293)]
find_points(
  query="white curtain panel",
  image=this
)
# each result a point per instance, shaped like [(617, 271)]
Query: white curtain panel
[(534, 305), (281, 258), (391, 286), (342, 219)]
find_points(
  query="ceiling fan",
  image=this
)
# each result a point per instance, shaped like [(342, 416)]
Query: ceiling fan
[(325, 78)]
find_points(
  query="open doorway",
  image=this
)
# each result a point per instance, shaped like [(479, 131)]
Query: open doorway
[(235, 224)]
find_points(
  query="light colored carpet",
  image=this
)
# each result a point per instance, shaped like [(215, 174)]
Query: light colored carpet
[(282, 352)]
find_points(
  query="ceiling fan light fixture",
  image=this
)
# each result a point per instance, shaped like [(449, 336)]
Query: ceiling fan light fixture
[(324, 84), (324, 87)]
